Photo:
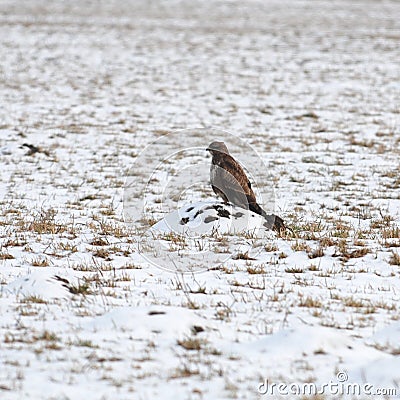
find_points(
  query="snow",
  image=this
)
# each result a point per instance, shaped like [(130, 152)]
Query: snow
[(40, 284), (201, 218), (387, 337), (169, 323), (122, 276)]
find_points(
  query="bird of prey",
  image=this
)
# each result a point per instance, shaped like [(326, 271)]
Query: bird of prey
[(229, 181)]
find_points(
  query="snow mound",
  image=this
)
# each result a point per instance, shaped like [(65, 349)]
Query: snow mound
[(208, 217), (203, 235), (43, 284), (142, 322), (313, 339), (387, 338), (381, 373), (335, 347)]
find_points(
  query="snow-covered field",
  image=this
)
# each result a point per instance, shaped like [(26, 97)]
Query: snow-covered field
[(312, 86)]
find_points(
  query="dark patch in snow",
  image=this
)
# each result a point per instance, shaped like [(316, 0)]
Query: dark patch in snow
[(197, 329), (198, 213), (156, 312), (238, 214), (210, 219), (221, 211)]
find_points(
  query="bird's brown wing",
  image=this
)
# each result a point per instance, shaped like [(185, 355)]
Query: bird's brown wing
[(229, 177)]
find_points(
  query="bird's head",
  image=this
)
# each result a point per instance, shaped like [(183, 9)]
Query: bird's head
[(217, 148)]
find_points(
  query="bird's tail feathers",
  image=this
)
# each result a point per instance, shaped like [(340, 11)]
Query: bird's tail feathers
[(273, 221)]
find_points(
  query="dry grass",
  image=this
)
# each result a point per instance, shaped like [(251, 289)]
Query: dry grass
[(394, 258)]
